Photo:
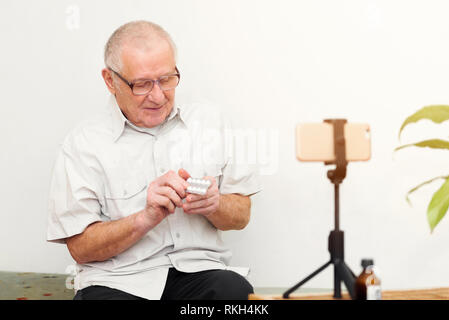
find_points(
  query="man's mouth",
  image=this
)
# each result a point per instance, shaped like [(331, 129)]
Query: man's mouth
[(153, 109)]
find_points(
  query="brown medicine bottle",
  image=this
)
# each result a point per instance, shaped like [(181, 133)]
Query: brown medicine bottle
[(367, 284)]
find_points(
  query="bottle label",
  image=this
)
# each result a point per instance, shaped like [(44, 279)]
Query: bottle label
[(373, 293)]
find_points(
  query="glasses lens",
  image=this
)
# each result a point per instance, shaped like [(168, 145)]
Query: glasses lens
[(168, 82), (142, 87)]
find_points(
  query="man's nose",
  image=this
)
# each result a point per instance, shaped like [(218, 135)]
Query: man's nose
[(156, 94)]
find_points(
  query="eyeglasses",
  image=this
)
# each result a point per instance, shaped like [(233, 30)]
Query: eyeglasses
[(144, 86)]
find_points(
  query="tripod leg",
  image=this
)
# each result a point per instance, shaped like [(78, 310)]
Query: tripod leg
[(337, 282), (345, 274), (287, 293)]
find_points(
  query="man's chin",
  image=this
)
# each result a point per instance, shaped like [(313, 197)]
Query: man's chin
[(151, 122)]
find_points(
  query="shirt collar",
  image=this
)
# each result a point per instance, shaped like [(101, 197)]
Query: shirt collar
[(119, 120)]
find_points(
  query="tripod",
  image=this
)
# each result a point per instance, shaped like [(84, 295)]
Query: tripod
[(336, 237)]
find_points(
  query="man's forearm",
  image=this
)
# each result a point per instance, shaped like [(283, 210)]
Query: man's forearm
[(233, 212), (103, 240)]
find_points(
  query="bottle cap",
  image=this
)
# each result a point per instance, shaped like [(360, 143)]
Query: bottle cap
[(367, 262)]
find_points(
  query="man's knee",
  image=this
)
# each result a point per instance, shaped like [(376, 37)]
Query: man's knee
[(229, 285)]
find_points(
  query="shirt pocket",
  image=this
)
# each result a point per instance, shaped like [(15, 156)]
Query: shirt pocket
[(125, 196)]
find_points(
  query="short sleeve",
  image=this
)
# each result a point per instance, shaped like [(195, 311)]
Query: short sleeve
[(73, 198), (240, 173)]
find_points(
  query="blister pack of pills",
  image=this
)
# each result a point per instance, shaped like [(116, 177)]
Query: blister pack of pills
[(198, 186)]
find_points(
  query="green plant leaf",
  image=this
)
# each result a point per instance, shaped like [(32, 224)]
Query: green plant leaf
[(436, 113), (438, 205), (432, 143), (421, 185)]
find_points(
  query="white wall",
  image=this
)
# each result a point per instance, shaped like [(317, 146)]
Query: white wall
[(271, 64)]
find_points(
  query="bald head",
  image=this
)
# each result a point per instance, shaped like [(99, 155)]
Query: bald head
[(139, 34)]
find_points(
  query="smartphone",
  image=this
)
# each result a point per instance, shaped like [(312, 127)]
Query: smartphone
[(315, 142)]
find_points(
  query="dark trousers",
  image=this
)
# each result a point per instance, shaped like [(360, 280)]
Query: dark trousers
[(204, 285)]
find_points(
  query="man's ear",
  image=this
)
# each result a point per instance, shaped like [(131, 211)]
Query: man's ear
[(107, 77)]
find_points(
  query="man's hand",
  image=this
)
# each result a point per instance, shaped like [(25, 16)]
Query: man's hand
[(202, 204), (163, 196)]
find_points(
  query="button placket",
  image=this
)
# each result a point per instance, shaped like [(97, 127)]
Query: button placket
[(175, 224), (162, 164), (158, 163)]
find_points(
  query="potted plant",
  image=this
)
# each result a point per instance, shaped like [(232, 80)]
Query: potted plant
[(439, 203)]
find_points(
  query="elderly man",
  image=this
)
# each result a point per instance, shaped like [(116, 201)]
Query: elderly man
[(118, 195)]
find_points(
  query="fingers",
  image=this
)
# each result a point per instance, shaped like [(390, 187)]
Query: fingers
[(183, 174), (174, 181), (171, 190), (171, 194), (167, 192), (196, 204), (164, 202), (203, 210)]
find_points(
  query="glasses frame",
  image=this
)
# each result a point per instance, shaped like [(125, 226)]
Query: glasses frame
[(131, 84)]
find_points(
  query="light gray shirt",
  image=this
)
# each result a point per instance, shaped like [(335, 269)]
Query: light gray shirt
[(102, 173)]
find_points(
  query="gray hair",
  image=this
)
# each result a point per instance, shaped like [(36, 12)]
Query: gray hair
[(136, 30)]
